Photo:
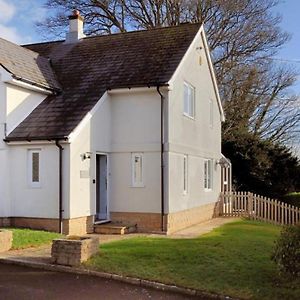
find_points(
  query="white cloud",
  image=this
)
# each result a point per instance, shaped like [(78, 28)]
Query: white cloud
[(7, 10), (30, 10), (10, 34)]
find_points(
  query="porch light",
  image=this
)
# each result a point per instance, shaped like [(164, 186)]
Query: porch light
[(86, 155), (223, 162)]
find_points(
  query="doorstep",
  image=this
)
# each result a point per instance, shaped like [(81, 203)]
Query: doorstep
[(115, 228)]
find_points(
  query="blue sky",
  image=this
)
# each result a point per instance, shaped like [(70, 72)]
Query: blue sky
[(17, 19), (289, 9)]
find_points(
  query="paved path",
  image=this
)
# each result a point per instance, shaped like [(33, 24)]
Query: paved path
[(202, 228), (25, 283)]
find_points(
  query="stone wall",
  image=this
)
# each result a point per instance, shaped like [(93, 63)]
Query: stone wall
[(6, 238), (72, 252), (151, 222), (183, 219), (5, 222), (146, 222), (76, 226)]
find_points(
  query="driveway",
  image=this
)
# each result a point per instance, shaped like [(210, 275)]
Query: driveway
[(25, 283)]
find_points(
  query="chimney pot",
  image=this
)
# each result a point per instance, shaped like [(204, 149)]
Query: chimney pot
[(75, 27)]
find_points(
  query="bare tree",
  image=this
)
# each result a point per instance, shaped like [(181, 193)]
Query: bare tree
[(243, 36)]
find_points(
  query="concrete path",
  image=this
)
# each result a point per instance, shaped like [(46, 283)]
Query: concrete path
[(202, 228), (17, 282)]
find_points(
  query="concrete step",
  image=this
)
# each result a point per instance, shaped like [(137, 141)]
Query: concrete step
[(114, 228)]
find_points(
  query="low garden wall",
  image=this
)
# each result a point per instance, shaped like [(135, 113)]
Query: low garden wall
[(6, 238), (72, 251)]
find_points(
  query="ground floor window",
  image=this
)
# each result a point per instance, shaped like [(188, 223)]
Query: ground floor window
[(34, 177), (137, 161), (185, 174), (208, 174)]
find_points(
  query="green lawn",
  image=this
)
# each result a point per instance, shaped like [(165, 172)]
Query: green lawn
[(25, 238), (231, 260)]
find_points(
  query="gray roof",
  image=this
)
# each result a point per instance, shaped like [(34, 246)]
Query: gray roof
[(87, 69), (27, 65)]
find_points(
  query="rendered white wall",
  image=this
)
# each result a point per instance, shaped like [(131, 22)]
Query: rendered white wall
[(17, 197), (194, 138), (135, 127), (34, 202), (124, 123), (20, 103)]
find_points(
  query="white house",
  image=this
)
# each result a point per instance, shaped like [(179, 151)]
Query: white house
[(125, 128)]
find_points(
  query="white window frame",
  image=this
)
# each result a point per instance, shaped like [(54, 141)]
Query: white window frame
[(185, 174), (31, 183), (208, 174), (211, 114), (135, 182), (189, 103)]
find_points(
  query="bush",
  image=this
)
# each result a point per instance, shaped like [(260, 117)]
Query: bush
[(292, 198), (287, 250)]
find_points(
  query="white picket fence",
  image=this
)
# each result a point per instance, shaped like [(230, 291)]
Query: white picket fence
[(246, 204)]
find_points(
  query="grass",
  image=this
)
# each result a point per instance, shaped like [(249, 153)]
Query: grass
[(26, 238), (231, 260)]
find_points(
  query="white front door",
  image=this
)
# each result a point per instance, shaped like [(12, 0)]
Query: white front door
[(101, 188)]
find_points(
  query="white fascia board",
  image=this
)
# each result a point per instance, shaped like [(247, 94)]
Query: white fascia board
[(201, 33), (29, 86), (212, 73), (136, 90), (87, 118), (7, 77), (35, 142)]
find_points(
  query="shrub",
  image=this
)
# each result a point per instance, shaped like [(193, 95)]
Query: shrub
[(287, 250), (292, 198)]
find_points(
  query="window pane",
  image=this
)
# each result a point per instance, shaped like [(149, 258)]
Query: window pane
[(137, 169), (35, 167), (186, 99), (209, 174), (189, 100), (205, 175), (192, 103), (185, 174)]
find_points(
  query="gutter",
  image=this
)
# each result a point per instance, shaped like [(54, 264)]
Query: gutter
[(51, 90), (162, 157), (60, 200)]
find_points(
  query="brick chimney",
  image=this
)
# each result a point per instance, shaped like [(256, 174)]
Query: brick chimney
[(75, 33)]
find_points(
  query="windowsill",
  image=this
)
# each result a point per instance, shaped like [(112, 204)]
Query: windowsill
[(188, 116), (207, 190), (138, 186), (34, 187)]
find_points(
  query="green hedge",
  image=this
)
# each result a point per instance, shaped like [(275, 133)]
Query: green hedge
[(287, 251), (292, 198)]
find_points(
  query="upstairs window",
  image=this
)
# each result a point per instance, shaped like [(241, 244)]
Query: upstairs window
[(208, 174), (189, 101), (34, 168), (137, 169)]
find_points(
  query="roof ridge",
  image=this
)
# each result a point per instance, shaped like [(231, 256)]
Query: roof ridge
[(121, 33)]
